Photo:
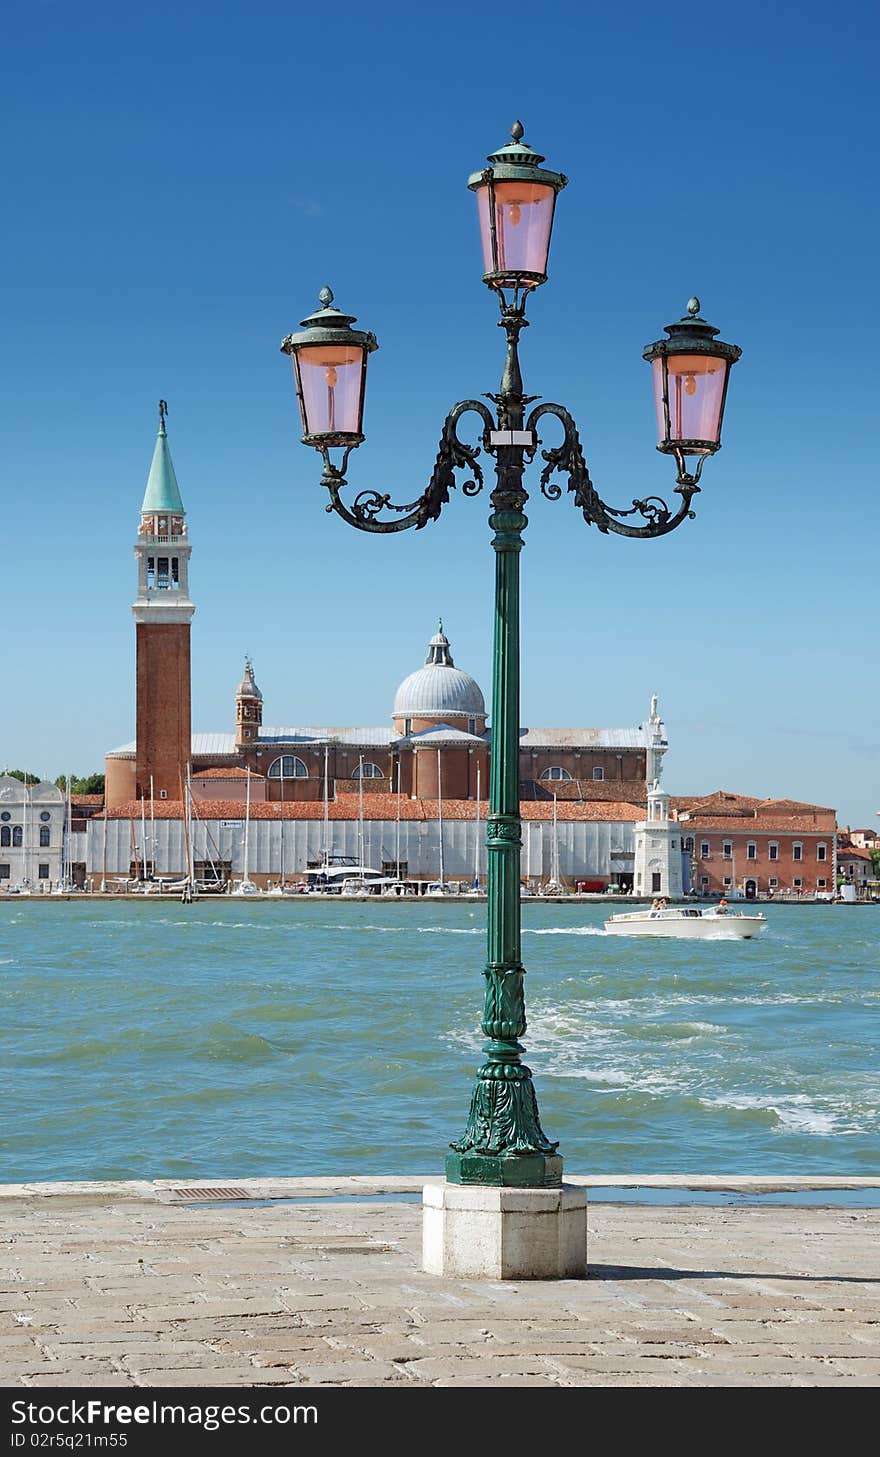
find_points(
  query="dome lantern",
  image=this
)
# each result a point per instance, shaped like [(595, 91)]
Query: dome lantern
[(439, 690)]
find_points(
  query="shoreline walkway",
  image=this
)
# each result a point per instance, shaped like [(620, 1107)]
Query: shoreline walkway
[(157, 1285)]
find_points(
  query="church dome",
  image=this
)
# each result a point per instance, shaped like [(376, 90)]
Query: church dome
[(439, 689)]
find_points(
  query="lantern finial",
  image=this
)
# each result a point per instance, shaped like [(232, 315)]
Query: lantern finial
[(517, 130), (693, 306), (325, 297)]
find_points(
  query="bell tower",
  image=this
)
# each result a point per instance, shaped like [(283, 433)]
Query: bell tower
[(248, 708), (162, 614)]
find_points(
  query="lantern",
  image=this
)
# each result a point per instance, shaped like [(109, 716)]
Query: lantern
[(330, 371), (516, 198), (691, 369)]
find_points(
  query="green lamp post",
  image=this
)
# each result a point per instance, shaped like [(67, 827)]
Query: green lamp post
[(503, 1143)]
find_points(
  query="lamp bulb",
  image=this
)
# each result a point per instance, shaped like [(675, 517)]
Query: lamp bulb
[(331, 376), (514, 215), (690, 384)]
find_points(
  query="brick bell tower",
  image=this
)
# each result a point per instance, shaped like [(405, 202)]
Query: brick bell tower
[(162, 614), (248, 709)]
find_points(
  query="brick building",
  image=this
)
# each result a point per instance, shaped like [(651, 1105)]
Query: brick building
[(436, 743), (757, 846)]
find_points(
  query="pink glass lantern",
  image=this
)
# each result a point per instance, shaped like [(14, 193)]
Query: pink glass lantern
[(516, 199), (330, 372), (691, 370)]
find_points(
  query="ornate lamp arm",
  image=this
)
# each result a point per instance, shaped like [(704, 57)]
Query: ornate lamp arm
[(452, 455), (569, 458)]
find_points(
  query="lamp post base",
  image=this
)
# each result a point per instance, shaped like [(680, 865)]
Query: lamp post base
[(504, 1233), (506, 1170)]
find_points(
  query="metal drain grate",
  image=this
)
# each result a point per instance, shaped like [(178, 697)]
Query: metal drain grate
[(205, 1194)]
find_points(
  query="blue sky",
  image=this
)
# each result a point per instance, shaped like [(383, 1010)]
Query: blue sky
[(181, 180)]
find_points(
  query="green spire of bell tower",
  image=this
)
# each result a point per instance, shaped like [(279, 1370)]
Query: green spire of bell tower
[(163, 492)]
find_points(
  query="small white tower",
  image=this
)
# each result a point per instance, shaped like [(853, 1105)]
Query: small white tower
[(658, 860)]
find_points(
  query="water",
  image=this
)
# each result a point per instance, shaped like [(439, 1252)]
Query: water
[(230, 1041)]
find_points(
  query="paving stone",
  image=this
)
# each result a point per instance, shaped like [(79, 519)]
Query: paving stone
[(298, 1295), (334, 1372), (81, 1378), (217, 1376)]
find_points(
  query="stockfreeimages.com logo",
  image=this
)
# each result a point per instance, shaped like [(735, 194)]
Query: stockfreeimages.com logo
[(210, 1418)]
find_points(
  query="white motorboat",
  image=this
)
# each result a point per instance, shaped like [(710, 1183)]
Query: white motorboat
[(712, 924)]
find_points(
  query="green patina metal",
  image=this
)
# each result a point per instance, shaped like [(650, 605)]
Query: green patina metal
[(503, 1142), (163, 492)]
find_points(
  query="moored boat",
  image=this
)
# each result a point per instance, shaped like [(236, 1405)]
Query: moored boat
[(688, 922)]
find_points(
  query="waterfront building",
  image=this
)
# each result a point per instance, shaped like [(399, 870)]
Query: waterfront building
[(856, 866), (411, 792), (737, 844), (32, 829)]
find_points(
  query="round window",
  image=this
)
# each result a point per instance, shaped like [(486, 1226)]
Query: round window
[(6, 815), (45, 815)]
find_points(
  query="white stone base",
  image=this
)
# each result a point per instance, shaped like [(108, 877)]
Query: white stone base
[(474, 1231)]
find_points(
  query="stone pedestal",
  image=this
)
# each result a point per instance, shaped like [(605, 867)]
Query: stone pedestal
[(504, 1233)]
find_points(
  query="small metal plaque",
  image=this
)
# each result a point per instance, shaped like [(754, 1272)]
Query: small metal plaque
[(513, 437)]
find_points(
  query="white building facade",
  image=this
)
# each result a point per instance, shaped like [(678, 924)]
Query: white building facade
[(32, 829)]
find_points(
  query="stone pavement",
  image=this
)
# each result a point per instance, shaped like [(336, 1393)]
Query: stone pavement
[(130, 1285)]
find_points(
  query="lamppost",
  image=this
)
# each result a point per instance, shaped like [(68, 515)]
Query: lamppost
[(503, 1146)]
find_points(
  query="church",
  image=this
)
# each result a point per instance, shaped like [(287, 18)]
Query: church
[(431, 757), (408, 796)]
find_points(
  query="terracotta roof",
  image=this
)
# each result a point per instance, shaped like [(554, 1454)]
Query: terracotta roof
[(723, 802), (757, 825), (231, 773), (378, 807), (797, 806), (87, 799), (628, 790), (852, 852)]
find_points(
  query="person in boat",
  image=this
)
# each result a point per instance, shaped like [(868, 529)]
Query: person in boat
[(722, 907)]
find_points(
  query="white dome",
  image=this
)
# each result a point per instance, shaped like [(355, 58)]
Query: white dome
[(439, 689)]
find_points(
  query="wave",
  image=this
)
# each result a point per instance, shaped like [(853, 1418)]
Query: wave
[(449, 930), (793, 1112)]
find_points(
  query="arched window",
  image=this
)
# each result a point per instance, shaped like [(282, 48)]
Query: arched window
[(288, 767), (555, 772), (5, 836), (368, 771), (44, 836), (16, 835)]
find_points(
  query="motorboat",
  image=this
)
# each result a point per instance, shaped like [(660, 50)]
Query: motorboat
[(689, 922)]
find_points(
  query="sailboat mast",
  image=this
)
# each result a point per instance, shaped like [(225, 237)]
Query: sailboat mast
[(65, 840), (440, 814), (153, 827), (361, 813), (247, 825), (143, 835), (24, 837), (191, 866), (477, 846), (282, 821), (326, 806), (187, 827), (397, 838), (555, 842)]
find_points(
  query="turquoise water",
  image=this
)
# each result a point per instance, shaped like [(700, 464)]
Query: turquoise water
[(228, 1041)]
